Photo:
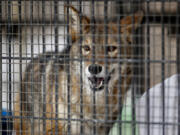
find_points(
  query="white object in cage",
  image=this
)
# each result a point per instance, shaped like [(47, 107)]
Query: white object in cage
[(156, 109)]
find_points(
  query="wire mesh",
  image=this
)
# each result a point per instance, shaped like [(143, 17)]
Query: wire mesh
[(89, 67)]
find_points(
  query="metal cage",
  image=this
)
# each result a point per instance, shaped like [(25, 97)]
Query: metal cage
[(89, 67)]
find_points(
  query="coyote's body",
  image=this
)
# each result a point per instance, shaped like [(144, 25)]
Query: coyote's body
[(91, 81)]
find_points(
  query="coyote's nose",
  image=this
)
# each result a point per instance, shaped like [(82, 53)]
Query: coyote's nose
[(95, 69)]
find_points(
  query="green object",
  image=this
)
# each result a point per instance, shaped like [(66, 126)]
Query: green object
[(126, 117)]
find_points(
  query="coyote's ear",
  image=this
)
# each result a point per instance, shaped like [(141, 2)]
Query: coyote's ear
[(73, 20), (130, 23)]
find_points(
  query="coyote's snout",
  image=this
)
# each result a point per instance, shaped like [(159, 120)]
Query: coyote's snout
[(96, 77), (85, 87)]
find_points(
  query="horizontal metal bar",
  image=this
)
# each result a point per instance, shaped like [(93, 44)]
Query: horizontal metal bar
[(125, 1), (96, 121), (153, 18), (33, 23), (110, 60)]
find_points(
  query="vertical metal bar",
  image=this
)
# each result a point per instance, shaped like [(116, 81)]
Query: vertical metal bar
[(44, 75), (106, 63), (178, 61), (32, 72), (138, 54), (93, 60), (9, 60), (38, 45), (93, 25), (9, 50), (56, 24), (68, 75), (1, 69), (147, 64), (119, 8), (43, 26), (163, 69), (81, 77), (20, 61), (120, 105), (56, 65), (133, 124)]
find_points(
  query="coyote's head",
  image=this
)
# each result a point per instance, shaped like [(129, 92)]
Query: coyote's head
[(101, 49)]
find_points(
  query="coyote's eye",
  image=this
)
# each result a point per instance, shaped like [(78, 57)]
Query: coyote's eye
[(86, 48), (111, 48)]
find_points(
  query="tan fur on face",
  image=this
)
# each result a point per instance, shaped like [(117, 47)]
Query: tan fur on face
[(46, 81)]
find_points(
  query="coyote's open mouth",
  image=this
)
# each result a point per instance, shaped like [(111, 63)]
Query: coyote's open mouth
[(98, 83)]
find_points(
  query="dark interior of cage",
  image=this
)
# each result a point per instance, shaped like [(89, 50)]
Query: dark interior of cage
[(155, 46)]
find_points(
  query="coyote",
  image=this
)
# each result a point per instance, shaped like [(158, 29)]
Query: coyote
[(78, 90)]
